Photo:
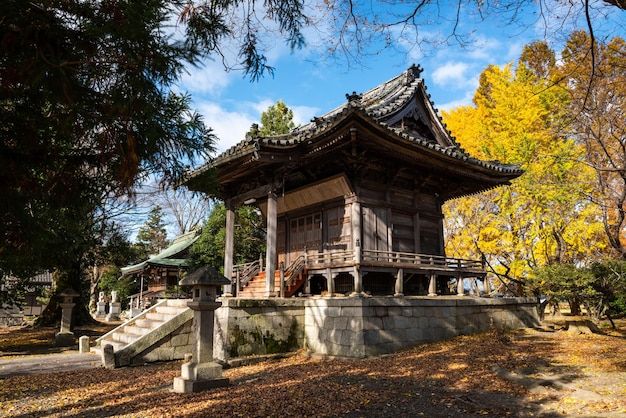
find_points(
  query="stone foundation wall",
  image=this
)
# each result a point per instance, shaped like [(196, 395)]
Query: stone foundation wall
[(358, 327), (363, 327), (245, 327)]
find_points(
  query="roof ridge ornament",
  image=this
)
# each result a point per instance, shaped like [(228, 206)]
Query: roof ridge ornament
[(413, 73), (354, 99)]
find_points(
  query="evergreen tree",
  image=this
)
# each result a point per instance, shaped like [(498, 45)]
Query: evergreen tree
[(276, 120), (249, 242), (152, 236)]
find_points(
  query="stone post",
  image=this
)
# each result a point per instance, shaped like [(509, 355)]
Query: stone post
[(101, 306), (115, 308), (460, 291), (432, 285), (399, 288), (330, 283), (65, 337), (486, 287), (202, 373)]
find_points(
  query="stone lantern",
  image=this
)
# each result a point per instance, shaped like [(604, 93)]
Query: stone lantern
[(65, 337), (202, 372)]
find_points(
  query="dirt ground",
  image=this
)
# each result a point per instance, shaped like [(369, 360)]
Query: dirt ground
[(547, 372)]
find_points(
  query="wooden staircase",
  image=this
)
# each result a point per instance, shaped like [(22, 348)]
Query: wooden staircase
[(256, 287), (145, 330)]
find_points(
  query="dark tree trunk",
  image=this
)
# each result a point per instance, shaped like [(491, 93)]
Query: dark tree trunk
[(73, 279)]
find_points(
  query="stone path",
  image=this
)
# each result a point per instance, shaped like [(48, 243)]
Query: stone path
[(26, 365)]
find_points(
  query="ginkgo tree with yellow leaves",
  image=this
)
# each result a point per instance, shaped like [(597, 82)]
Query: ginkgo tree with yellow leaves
[(544, 217)]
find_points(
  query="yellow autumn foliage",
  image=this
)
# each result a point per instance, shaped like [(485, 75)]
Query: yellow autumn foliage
[(546, 215)]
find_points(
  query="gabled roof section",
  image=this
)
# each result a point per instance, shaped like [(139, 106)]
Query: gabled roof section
[(400, 107), (169, 257)]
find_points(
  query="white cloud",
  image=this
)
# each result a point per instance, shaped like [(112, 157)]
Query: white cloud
[(210, 78), (230, 127), (464, 101), (451, 72)]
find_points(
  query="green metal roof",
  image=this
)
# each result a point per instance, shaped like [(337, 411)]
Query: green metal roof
[(169, 257)]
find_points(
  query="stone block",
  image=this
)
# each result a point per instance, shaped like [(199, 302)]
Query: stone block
[(192, 386), (351, 311), (341, 323), (423, 322), (64, 339), (355, 323), (348, 338), (371, 337), (83, 344), (381, 311), (108, 357), (417, 311), (180, 339), (372, 323), (401, 322), (414, 335), (394, 311), (388, 323)]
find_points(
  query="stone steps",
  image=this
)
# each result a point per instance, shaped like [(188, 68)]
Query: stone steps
[(135, 329)]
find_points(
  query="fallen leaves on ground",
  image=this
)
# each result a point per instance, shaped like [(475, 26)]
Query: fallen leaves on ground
[(554, 374), (16, 341)]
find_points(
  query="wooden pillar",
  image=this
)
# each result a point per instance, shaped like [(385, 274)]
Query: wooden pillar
[(486, 286), (229, 247), (432, 285), (282, 279), (357, 245), (270, 257), (400, 283)]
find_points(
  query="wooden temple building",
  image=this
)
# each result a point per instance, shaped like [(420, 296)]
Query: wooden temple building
[(352, 200), (158, 276)]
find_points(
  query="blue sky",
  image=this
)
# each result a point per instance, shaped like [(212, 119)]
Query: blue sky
[(312, 86)]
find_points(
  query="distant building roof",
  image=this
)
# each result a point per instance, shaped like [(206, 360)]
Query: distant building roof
[(169, 257)]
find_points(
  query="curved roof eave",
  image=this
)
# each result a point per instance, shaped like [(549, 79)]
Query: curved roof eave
[(382, 105)]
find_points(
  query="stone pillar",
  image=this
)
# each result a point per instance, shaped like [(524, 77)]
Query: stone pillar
[(229, 247), (358, 283), (432, 285), (270, 257), (460, 291), (486, 286), (101, 306), (399, 283), (202, 373), (115, 308), (330, 282), (65, 336)]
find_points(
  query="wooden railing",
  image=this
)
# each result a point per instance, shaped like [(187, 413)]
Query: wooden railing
[(329, 258), (243, 273), (424, 260), (294, 270)]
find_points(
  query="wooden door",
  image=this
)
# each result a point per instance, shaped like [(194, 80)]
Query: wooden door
[(375, 229)]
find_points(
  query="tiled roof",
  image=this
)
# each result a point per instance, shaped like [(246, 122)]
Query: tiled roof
[(385, 104)]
